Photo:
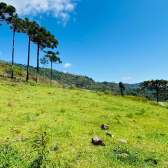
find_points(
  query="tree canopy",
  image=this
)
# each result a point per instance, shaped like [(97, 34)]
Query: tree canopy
[(43, 39), (156, 85), (52, 56), (122, 88), (6, 12)]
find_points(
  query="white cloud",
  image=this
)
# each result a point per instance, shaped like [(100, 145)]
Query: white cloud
[(128, 78), (60, 9), (65, 71), (67, 65), (41, 17), (74, 20), (0, 53)]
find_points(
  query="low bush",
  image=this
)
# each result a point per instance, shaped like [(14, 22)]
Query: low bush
[(32, 83), (114, 93), (18, 70), (153, 103), (73, 86), (106, 92), (40, 147), (137, 98)]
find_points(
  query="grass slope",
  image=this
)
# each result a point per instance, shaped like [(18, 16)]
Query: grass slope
[(73, 118)]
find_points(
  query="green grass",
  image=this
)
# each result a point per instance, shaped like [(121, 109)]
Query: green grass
[(73, 118)]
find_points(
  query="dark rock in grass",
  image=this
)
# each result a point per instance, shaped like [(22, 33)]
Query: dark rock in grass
[(97, 141), (104, 126), (111, 135), (122, 141), (33, 119)]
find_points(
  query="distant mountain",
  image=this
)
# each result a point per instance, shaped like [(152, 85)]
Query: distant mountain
[(133, 86)]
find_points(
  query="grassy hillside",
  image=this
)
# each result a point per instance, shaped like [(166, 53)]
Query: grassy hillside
[(20, 75), (79, 81), (73, 118)]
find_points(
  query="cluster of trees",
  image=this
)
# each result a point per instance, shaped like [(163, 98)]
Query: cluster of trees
[(149, 89), (159, 86), (36, 33), (152, 90)]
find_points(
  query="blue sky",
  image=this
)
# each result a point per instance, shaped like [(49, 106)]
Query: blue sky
[(112, 40)]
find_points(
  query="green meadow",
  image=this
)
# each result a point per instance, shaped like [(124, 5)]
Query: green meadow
[(70, 119)]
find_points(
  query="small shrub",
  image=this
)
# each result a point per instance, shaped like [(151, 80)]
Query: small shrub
[(143, 99), (130, 115), (13, 84), (18, 70), (100, 94), (106, 92), (32, 83), (40, 147), (114, 93), (154, 103), (63, 110), (73, 86), (37, 114)]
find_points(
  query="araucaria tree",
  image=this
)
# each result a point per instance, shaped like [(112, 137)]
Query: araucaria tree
[(6, 12), (16, 25), (122, 88), (43, 39), (157, 85), (52, 56), (44, 61), (30, 30)]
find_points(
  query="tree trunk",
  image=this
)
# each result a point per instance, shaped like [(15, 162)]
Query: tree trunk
[(44, 71), (13, 52), (91, 85), (37, 74), (157, 90), (27, 78), (51, 72)]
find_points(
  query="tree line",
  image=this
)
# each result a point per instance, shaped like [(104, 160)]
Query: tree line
[(36, 33)]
